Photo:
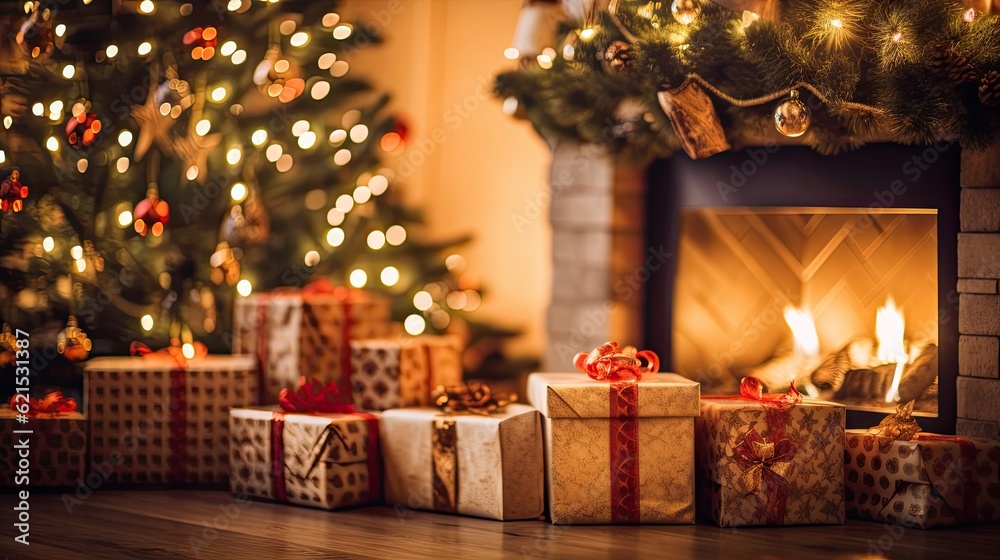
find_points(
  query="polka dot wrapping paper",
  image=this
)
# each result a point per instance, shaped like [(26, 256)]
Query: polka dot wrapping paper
[(930, 481), (400, 372)]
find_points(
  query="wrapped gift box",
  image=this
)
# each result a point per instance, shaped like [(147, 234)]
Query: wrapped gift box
[(296, 333), (157, 421), (620, 452), (929, 481), (58, 448), (319, 460), (470, 464), (398, 372), (761, 465)]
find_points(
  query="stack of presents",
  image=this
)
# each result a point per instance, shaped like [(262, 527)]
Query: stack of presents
[(380, 418)]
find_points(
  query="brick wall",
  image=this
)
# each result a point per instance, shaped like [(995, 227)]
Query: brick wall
[(979, 301)]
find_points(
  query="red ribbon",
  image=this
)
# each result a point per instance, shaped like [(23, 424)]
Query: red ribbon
[(312, 396), (51, 404), (609, 362), (173, 352), (967, 464), (622, 369), (771, 455)]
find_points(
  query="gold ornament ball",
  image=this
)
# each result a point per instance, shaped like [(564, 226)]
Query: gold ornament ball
[(792, 116), (73, 342), (685, 11)]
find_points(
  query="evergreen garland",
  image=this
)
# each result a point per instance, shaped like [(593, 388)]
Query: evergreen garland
[(927, 72)]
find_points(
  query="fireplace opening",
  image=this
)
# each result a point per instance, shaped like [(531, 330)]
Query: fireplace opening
[(843, 282)]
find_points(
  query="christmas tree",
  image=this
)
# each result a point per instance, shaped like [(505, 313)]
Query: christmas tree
[(163, 158)]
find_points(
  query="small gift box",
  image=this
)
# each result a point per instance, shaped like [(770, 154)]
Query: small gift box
[(770, 459), (619, 444), (306, 332), (398, 372), (323, 456), (161, 418), (49, 449), (486, 464), (919, 479)]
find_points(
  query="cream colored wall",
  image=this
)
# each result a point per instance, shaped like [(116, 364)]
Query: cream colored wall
[(470, 167)]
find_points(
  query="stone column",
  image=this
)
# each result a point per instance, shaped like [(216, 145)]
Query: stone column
[(598, 234), (978, 387)]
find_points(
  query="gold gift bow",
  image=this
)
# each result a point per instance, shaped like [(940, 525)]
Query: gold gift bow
[(474, 397)]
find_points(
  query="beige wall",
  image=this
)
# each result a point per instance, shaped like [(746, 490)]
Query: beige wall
[(470, 167)]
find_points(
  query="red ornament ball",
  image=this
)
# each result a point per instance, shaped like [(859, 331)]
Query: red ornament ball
[(13, 193), (151, 215), (82, 129), (204, 40)]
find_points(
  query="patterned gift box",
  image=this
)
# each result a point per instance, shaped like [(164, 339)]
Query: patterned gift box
[(764, 464), (306, 333), (929, 481), (157, 421), (402, 372), (324, 461), (620, 452), (479, 465), (58, 448)]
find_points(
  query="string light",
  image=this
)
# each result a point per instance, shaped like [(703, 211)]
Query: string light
[(897, 37), (122, 164), (588, 33), (125, 219), (234, 155), (38, 109), (320, 90), (315, 199), (273, 152), (287, 27), (69, 71), (76, 252), (244, 287), (192, 173), (473, 300), (969, 16), (510, 53), (378, 184), (284, 163), (455, 263), (345, 203), (298, 127), (456, 300), (338, 136), (203, 127), (3, 156), (330, 19), (359, 133), (48, 244), (414, 324), (312, 258), (389, 276), (7, 122), (144, 48), (187, 349), (342, 157), (569, 52), (60, 30), (339, 69), (259, 137), (219, 94), (146, 322), (326, 60), (422, 300), (362, 194), (147, 7), (358, 278), (52, 144), (124, 138), (835, 22), (81, 265), (82, 165), (376, 240), (238, 192), (307, 140), (544, 61), (111, 51), (335, 217), (395, 235), (300, 39), (335, 237), (227, 48), (342, 31), (239, 57)]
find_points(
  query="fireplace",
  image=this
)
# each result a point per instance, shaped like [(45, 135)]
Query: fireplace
[(836, 272)]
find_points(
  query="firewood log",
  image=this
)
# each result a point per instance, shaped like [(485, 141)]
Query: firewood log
[(777, 373), (829, 376), (919, 375), (867, 383)]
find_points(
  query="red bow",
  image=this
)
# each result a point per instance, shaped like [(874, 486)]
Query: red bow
[(173, 351), (52, 403), (752, 388), (609, 362), (769, 462), (313, 397)]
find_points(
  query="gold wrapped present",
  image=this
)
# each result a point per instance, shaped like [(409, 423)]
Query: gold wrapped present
[(618, 450), (306, 332), (157, 420), (402, 372), (321, 460), (770, 459), (482, 465)]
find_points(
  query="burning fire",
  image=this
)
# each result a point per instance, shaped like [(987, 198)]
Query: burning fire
[(889, 327), (806, 341)]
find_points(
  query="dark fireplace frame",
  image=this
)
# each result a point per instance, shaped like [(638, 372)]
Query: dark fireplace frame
[(773, 176)]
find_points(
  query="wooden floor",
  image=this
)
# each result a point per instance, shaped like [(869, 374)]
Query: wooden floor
[(208, 524)]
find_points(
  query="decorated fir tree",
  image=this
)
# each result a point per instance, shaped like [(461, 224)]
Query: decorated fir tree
[(161, 158)]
